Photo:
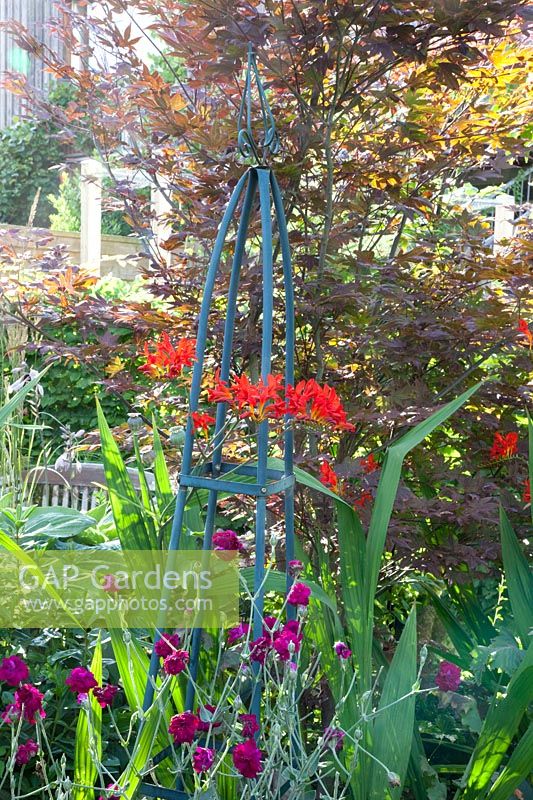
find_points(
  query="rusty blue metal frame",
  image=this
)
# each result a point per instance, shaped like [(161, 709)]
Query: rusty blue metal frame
[(216, 476)]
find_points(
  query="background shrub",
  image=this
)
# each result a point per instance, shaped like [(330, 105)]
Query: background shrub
[(29, 151), (67, 209)]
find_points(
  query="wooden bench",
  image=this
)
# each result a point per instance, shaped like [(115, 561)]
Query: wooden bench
[(77, 486)]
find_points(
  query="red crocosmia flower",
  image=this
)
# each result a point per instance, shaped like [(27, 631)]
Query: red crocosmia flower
[(206, 725), (220, 392), (260, 400), (504, 446), (176, 662), (202, 422), (81, 680), (29, 701), (202, 759), (25, 752), (168, 361), (183, 727), (226, 540), (247, 759), (328, 476), (13, 670), (526, 497), (105, 694), (523, 328), (448, 677), (299, 595), (250, 725), (369, 464), (167, 644), (364, 498), (310, 402)]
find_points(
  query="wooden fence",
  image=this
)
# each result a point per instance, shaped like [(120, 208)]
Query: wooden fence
[(120, 256)]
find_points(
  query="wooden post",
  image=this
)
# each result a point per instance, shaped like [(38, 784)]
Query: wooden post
[(91, 214), (161, 206), (504, 211)]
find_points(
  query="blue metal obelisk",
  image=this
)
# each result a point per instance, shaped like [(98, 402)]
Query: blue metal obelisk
[(259, 182)]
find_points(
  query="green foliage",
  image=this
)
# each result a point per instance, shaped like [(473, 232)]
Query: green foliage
[(67, 209), (390, 738), (7, 409), (66, 204), (519, 579), (29, 152), (393, 729), (69, 394), (500, 727), (133, 525)]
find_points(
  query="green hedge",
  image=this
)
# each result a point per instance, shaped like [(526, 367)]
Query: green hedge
[(28, 152)]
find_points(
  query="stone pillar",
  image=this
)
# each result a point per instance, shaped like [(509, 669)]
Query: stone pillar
[(161, 207), (504, 211), (91, 215)]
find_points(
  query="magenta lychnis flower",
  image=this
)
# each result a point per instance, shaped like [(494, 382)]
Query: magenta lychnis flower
[(295, 566), (167, 644), (247, 759), (25, 752), (202, 759), (269, 623), (111, 787), (299, 595), (342, 650), (105, 694), (29, 702), (259, 649), (205, 725), (81, 680), (183, 727), (13, 670), (226, 540), (334, 737), (448, 677), (176, 662), (10, 714), (287, 640), (238, 632), (250, 725), (109, 584)]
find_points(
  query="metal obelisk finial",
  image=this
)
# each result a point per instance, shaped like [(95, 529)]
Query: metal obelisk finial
[(247, 144)]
